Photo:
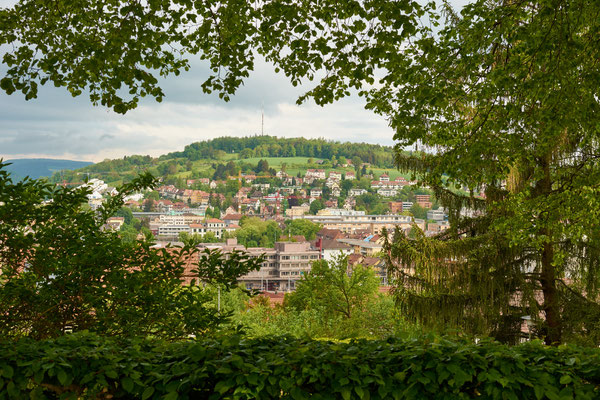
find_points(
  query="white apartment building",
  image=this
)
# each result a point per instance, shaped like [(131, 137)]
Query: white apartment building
[(315, 174), (357, 192)]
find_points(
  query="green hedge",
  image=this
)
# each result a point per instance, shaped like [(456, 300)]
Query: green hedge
[(88, 366)]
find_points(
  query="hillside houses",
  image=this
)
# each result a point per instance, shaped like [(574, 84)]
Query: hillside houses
[(286, 197), (315, 174)]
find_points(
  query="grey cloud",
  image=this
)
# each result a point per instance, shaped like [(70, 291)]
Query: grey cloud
[(264, 87)]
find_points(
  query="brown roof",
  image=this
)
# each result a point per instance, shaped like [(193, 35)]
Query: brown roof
[(354, 259), (330, 233), (332, 244)]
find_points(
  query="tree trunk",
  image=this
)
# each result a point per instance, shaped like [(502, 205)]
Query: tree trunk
[(548, 275), (551, 306)]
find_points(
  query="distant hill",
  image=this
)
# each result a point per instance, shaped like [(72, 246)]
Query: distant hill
[(41, 167), (222, 157)]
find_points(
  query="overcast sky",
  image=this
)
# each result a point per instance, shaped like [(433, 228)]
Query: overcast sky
[(56, 125)]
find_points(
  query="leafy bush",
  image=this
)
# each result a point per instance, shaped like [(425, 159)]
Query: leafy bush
[(62, 270), (84, 365)]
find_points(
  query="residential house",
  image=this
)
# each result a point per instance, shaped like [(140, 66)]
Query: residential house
[(335, 175), (375, 263), (387, 192), (357, 191), (172, 230), (332, 234), (315, 174), (350, 175), (261, 186), (331, 203), (349, 203), (436, 215), (434, 228), (114, 223), (363, 247), (214, 226), (314, 193), (296, 212), (331, 248)]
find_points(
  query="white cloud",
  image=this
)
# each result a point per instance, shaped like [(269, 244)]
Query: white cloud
[(59, 126)]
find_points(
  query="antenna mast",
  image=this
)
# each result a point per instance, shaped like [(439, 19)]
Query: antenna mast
[(262, 119)]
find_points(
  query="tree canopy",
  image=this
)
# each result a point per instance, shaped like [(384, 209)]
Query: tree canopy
[(64, 270), (116, 51), (336, 288), (506, 94)]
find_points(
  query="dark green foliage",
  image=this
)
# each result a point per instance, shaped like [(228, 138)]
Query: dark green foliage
[(230, 367), (316, 206), (508, 98), (272, 146), (418, 212)]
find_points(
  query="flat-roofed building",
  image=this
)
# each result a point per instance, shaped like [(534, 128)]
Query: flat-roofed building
[(284, 264), (374, 224)]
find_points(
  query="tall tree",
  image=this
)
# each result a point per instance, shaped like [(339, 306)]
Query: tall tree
[(507, 95)]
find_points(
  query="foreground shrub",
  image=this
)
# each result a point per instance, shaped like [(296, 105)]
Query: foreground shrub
[(84, 365)]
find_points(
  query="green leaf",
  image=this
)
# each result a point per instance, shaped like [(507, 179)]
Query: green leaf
[(222, 386), (62, 377), (171, 396), (346, 393), (565, 379), (149, 391), (359, 391), (111, 373), (127, 383), (7, 371)]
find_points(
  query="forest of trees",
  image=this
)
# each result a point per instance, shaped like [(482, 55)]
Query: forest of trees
[(213, 151), (272, 146)]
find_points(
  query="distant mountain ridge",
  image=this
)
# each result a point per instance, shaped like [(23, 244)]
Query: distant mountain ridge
[(41, 167)]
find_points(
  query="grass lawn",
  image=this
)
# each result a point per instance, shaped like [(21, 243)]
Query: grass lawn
[(276, 162)]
